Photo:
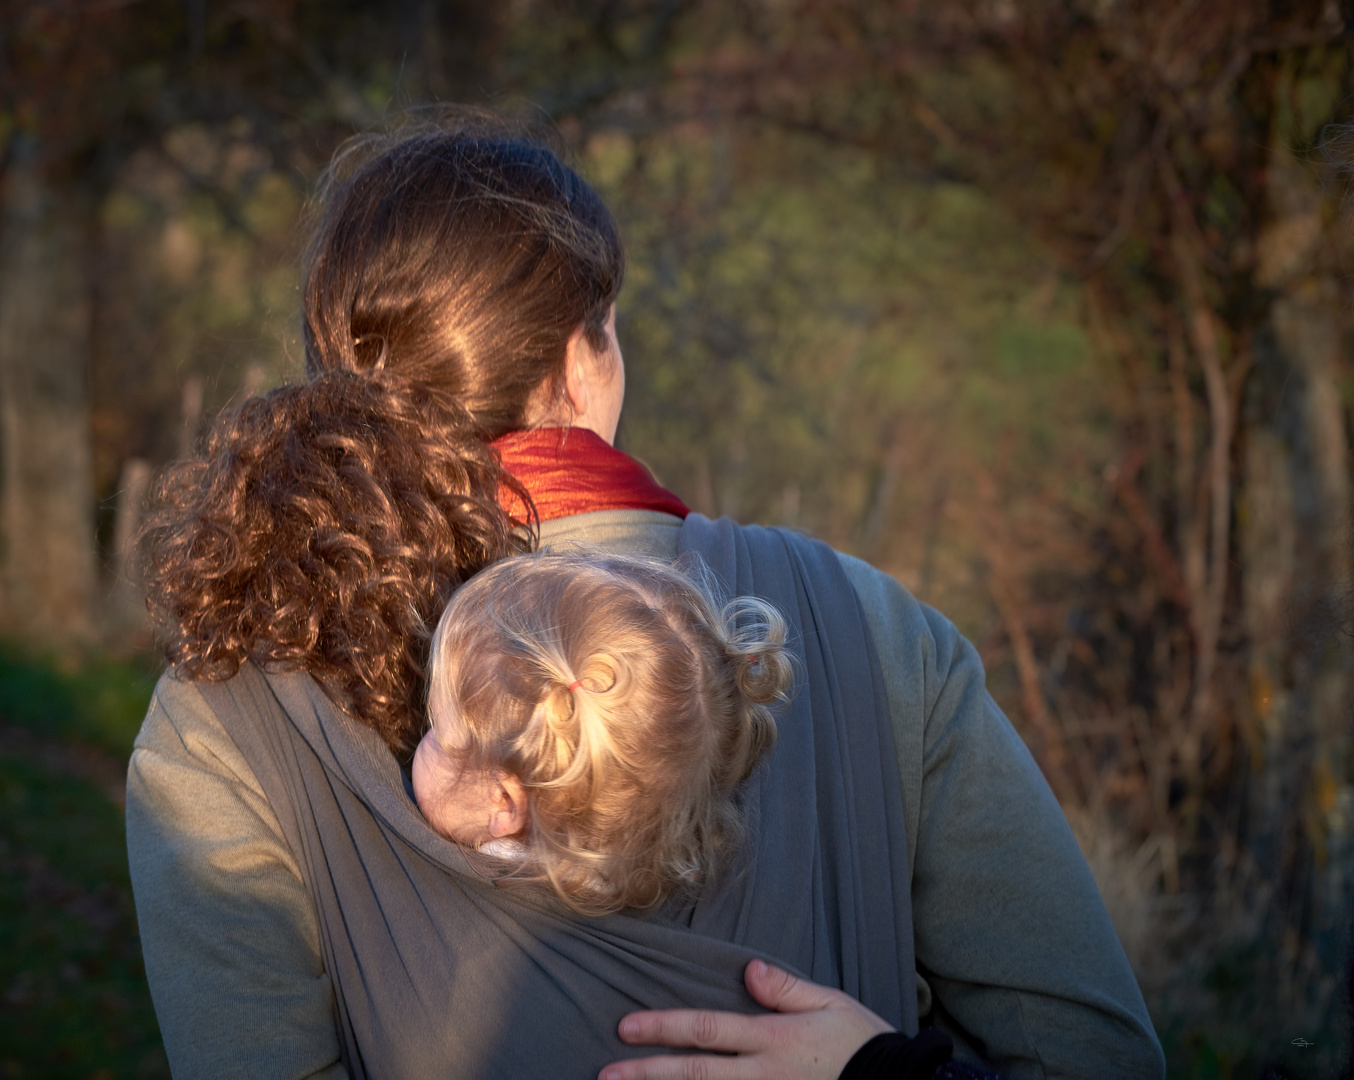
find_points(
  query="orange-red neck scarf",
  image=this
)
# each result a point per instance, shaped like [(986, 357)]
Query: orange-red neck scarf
[(573, 471)]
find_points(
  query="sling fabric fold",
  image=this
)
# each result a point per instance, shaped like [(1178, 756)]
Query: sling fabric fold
[(437, 971)]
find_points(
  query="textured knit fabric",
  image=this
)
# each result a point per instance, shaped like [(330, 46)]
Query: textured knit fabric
[(411, 936)]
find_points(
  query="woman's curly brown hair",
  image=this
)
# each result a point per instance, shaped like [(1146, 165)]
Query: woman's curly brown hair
[(325, 529), (326, 524)]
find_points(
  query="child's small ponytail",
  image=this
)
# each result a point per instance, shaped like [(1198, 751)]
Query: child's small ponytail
[(754, 646), (571, 724)]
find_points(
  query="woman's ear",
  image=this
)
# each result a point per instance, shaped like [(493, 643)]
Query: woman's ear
[(575, 375), (594, 382), (508, 814)]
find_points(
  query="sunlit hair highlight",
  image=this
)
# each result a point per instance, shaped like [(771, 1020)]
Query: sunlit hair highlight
[(325, 524), (630, 778)]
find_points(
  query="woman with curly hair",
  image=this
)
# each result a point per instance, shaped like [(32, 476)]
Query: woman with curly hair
[(300, 917)]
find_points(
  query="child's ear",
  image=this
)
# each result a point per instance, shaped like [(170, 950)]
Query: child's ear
[(509, 814)]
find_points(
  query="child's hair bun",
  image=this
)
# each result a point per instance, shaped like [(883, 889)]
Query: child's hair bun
[(756, 648)]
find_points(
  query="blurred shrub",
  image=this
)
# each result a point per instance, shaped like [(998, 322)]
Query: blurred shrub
[(93, 698)]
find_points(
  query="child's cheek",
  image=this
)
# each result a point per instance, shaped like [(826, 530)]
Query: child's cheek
[(429, 774)]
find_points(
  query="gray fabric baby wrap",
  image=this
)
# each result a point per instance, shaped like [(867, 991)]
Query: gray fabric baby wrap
[(437, 972)]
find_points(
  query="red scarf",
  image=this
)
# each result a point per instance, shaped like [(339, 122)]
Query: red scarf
[(573, 471)]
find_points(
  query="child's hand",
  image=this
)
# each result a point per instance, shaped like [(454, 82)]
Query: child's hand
[(811, 1036)]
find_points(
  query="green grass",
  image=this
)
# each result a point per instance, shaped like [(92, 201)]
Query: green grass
[(95, 699), (73, 996)]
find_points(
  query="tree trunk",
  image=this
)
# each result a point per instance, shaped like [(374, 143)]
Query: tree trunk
[(49, 557), (125, 609), (1296, 570), (1307, 325)]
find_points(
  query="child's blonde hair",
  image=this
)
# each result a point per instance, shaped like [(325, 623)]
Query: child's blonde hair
[(630, 775)]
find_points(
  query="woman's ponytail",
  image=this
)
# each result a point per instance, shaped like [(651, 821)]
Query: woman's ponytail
[(324, 528)]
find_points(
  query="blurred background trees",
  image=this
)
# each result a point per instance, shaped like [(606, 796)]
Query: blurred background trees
[(1041, 307)]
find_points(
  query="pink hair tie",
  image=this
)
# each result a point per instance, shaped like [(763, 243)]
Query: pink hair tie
[(575, 685)]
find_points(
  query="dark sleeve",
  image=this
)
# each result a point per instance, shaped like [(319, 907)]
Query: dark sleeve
[(894, 1056)]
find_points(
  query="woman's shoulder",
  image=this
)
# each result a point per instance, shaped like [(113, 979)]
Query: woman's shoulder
[(184, 737), (901, 622), (904, 628), (210, 865), (178, 715)]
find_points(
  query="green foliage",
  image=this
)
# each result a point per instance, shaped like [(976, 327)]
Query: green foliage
[(75, 1001), (74, 997), (95, 699), (818, 340), (201, 249)]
